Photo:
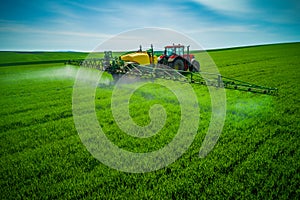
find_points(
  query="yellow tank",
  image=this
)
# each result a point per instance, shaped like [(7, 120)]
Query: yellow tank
[(141, 58)]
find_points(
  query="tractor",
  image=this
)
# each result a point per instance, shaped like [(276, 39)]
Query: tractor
[(175, 57), (147, 64)]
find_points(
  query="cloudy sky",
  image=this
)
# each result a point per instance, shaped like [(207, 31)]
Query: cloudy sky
[(83, 24)]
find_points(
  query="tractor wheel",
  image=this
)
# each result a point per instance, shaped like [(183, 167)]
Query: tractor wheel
[(196, 66), (178, 64)]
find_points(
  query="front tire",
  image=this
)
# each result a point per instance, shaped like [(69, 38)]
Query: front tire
[(196, 66)]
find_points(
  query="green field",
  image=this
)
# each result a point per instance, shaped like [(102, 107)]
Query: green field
[(257, 155)]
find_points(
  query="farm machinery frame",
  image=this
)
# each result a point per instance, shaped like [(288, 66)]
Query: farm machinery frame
[(173, 64)]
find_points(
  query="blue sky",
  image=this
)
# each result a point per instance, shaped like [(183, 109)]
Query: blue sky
[(81, 25)]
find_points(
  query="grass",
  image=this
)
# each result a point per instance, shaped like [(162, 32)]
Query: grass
[(10, 57), (257, 155)]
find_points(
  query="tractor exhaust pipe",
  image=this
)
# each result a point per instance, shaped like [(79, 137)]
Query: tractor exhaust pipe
[(188, 54), (152, 55)]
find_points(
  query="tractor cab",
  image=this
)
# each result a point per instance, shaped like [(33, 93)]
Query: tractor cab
[(175, 49)]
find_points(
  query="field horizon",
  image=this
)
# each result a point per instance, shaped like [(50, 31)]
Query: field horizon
[(211, 49)]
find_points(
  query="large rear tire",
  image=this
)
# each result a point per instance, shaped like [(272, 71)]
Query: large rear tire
[(178, 64)]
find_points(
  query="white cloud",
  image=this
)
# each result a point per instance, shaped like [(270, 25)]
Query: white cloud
[(225, 29), (85, 25), (230, 7), (93, 8), (158, 37), (18, 36), (19, 28)]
